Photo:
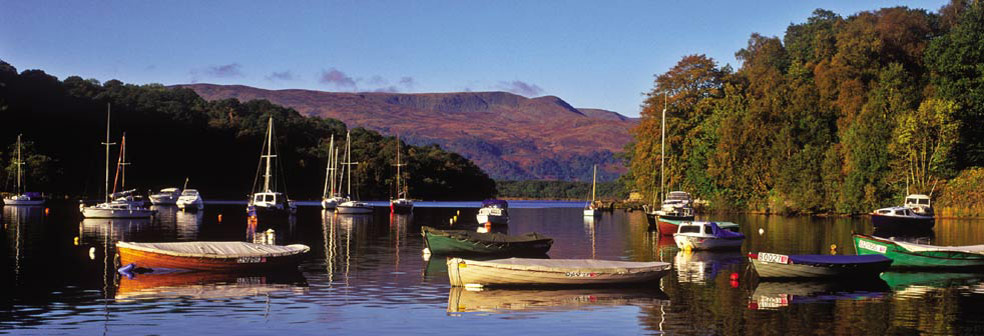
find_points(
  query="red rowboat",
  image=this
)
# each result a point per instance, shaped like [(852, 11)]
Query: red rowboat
[(211, 256)]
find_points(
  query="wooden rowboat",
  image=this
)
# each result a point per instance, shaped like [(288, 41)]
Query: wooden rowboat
[(771, 265), (909, 255), (552, 272), (471, 242), (211, 256)]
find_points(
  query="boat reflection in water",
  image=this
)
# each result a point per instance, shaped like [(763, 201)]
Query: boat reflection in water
[(208, 285), (187, 224), (110, 230), (462, 300), (779, 294), (915, 285), (702, 266)]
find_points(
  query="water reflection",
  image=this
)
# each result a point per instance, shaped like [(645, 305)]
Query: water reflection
[(187, 224), (702, 266), (208, 285), (461, 300), (778, 294)]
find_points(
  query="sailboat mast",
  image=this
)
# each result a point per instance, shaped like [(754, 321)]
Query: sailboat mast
[(336, 179), (328, 170), (122, 164), (348, 161), (19, 163), (107, 143), (266, 175), (594, 180), (398, 164), (662, 152)]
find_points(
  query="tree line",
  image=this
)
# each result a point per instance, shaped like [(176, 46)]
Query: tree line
[(173, 134), (838, 115)]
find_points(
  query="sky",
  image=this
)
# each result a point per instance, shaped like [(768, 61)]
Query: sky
[(592, 54)]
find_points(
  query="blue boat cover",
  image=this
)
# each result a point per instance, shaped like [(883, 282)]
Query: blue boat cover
[(722, 233), (495, 202), (813, 259)]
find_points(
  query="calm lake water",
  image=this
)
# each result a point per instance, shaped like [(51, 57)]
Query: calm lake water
[(365, 275)]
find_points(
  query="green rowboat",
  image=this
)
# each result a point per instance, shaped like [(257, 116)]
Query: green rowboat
[(909, 255), (471, 242)]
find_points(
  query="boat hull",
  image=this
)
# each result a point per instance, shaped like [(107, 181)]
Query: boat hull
[(13, 202), (92, 212), (231, 264), (445, 244), (401, 207), (668, 224), (592, 212), (163, 200), (902, 258), (328, 204), (777, 270), (706, 243), (483, 218), (471, 273), (190, 205), (353, 209), (898, 223)]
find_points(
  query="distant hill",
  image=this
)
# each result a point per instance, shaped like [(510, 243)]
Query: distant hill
[(507, 135)]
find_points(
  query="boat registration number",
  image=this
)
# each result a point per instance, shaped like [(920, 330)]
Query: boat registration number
[(580, 274), (773, 258), (872, 246), (495, 212), (250, 260)]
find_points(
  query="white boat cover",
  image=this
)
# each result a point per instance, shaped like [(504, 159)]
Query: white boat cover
[(217, 249), (930, 248), (573, 265)]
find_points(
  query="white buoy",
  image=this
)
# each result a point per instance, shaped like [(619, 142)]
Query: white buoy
[(761, 231), (92, 253)]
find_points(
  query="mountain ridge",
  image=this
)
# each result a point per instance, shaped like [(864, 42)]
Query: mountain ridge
[(507, 135)]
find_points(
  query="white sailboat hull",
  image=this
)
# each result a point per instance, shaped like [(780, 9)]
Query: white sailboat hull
[(22, 202), (349, 209), (98, 211)]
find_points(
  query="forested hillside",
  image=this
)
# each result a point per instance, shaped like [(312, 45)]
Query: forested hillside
[(841, 114), (172, 134)]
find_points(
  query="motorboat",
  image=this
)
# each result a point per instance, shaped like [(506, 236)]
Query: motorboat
[(167, 196), (493, 211), (190, 199), (901, 218), (707, 236)]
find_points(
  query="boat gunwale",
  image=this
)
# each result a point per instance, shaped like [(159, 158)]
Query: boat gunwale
[(656, 266), (298, 250)]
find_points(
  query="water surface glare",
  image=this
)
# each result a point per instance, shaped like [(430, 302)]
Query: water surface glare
[(366, 275)]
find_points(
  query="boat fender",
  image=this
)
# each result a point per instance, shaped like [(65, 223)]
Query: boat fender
[(127, 270)]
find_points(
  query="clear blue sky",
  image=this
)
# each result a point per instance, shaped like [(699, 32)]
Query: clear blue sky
[(600, 54)]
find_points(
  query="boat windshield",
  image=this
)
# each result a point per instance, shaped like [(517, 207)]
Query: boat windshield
[(689, 229)]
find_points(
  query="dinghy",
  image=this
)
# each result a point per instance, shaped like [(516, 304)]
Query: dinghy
[(772, 265), (921, 255), (471, 242), (211, 256), (552, 272)]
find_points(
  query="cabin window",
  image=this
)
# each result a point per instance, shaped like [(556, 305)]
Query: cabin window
[(885, 212), (708, 229), (924, 201), (900, 212), (689, 229)]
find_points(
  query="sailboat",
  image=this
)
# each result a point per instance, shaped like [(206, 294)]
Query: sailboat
[(269, 201), (591, 209), (330, 198), (677, 207), (351, 206), (113, 209), (125, 196), (22, 198), (401, 204)]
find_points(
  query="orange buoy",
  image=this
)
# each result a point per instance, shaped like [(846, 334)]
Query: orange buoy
[(46, 210), (220, 218)]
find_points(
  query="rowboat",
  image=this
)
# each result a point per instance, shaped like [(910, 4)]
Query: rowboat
[(552, 272), (910, 255), (467, 300), (212, 256), (772, 265), (707, 236), (471, 242)]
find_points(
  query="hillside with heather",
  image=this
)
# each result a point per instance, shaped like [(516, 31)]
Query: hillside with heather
[(507, 135)]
